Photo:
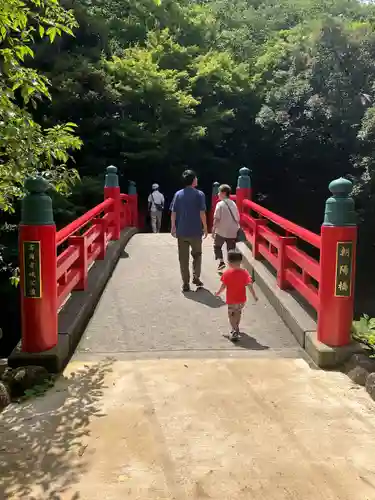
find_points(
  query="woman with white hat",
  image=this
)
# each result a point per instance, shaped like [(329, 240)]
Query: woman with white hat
[(156, 206)]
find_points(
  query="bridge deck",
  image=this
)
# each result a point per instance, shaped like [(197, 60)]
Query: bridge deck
[(265, 427), (143, 313)]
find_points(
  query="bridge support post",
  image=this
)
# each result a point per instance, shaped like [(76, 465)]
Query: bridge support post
[(133, 198), (112, 190), (337, 266), (38, 263), (214, 202), (243, 190)]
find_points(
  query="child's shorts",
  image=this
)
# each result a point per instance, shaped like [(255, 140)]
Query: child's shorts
[(232, 308)]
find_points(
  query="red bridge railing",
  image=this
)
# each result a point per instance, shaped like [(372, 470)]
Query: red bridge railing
[(323, 276), (87, 238), (55, 264), (293, 266)]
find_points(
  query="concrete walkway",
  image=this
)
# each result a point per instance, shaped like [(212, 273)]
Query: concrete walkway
[(143, 313), (156, 405)]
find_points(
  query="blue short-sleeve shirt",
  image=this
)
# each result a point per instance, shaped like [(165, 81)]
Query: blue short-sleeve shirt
[(188, 204)]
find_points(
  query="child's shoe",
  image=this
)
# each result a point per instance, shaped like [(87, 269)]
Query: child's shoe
[(234, 336)]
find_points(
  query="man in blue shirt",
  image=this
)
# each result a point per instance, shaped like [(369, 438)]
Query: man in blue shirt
[(188, 225)]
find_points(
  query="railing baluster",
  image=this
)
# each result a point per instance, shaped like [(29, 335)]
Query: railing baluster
[(256, 238), (81, 263), (283, 261), (101, 239)]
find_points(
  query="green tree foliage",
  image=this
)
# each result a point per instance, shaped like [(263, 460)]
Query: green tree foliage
[(316, 83), (283, 86), (25, 147), (155, 85)]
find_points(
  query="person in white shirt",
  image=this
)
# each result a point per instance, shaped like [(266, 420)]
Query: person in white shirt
[(225, 225), (156, 206)]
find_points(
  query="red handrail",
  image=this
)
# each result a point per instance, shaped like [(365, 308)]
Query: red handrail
[(83, 249), (291, 227), (79, 223), (293, 266)]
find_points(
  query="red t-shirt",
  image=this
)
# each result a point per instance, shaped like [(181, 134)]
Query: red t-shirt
[(236, 281)]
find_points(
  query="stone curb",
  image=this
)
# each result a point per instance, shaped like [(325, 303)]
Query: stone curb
[(76, 313), (295, 316)]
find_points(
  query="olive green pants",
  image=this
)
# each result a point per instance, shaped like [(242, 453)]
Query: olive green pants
[(184, 245)]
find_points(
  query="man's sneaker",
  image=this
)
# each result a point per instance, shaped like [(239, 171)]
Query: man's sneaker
[(234, 336), (186, 288), (197, 282), (221, 266)]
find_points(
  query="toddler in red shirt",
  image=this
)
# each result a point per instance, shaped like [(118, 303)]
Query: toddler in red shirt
[(235, 280)]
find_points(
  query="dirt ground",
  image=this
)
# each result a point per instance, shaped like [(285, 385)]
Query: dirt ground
[(229, 429)]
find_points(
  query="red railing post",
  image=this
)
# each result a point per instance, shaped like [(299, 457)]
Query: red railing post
[(81, 263), (133, 200), (124, 213), (337, 266), (243, 190), (128, 213), (102, 238), (214, 202), (283, 260), (37, 251), (112, 190), (255, 238)]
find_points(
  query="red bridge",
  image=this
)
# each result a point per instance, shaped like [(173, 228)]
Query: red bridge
[(308, 278)]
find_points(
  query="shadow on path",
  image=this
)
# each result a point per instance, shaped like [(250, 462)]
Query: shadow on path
[(205, 297), (42, 442), (247, 342)]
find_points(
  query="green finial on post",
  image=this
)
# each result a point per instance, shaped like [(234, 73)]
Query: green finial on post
[(132, 188), (215, 188), (111, 178), (244, 180), (339, 210), (36, 207)]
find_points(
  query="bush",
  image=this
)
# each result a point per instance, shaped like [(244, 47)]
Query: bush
[(364, 332)]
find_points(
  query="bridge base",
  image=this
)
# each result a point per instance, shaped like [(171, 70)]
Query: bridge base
[(53, 360), (328, 357), (76, 313)]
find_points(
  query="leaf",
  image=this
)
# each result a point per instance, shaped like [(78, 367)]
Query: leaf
[(363, 324), (51, 32)]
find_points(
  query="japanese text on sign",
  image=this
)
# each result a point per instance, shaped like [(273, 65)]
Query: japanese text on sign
[(31, 262), (344, 257)]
